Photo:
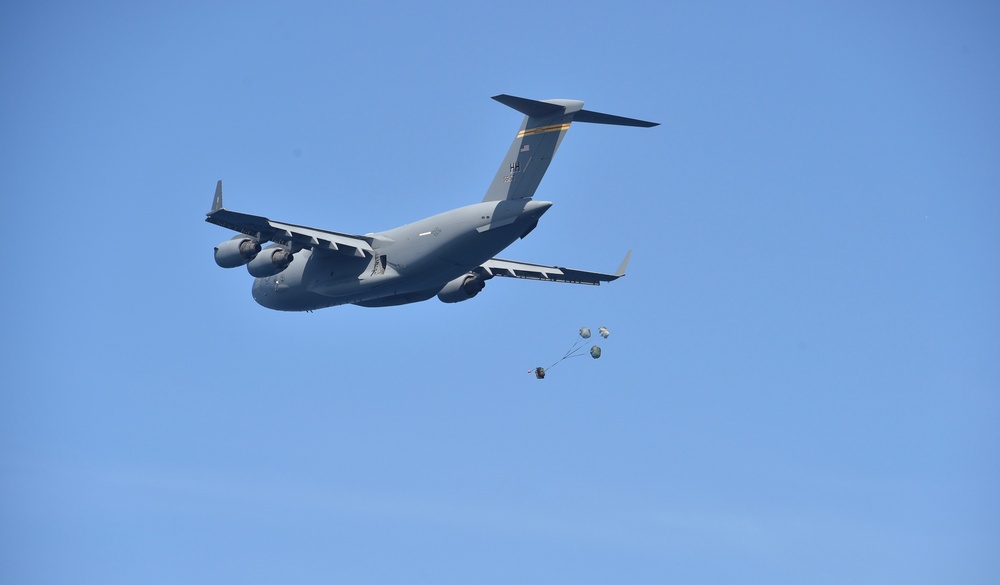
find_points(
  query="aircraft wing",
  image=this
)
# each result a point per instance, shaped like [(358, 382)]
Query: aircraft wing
[(513, 269), (294, 236)]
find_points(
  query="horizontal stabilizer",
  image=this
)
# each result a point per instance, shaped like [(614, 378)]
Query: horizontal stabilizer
[(533, 108), (550, 108), (599, 118)]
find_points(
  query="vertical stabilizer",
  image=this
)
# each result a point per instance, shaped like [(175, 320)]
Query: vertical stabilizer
[(545, 124)]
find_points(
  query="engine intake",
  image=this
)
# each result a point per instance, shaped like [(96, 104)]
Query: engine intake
[(236, 252), (462, 288), (270, 262)]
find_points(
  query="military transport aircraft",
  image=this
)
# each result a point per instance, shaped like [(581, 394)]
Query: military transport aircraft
[(449, 255)]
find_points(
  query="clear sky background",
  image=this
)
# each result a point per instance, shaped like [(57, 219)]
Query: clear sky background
[(802, 383)]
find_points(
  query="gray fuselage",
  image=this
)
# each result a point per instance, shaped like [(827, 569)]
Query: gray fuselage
[(411, 263)]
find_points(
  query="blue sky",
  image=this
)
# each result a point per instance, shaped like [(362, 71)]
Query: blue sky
[(803, 378)]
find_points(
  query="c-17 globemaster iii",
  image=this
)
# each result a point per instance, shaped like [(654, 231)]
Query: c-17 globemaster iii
[(450, 255)]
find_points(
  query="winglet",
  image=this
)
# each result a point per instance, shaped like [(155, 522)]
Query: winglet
[(217, 201), (621, 269)]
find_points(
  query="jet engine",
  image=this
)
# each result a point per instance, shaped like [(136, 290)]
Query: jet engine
[(462, 288), (236, 252), (270, 262)]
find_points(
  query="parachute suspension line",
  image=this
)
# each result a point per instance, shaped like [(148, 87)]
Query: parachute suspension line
[(577, 350)]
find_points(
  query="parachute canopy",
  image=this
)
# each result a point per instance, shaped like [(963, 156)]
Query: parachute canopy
[(577, 350)]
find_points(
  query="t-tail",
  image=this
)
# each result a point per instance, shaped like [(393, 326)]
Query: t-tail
[(545, 124)]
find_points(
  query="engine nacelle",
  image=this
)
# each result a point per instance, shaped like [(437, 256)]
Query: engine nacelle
[(236, 252), (462, 288), (269, 262)]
